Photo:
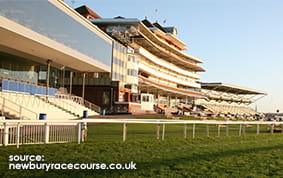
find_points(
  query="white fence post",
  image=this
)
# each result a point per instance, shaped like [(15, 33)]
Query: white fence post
[(194, 130), (79, 132), (6, 135), (157, 131), (257, 129), (46, 135), (207, 130), (163, 131), (227, 130), (272, 128), (185, 130), (38, 131), (18, 135), (124, 132)]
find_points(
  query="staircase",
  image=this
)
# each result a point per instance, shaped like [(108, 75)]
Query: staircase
[(26, 106)]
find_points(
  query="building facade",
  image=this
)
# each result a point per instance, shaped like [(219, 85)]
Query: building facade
[(46, 45), (229, 99), (156, 74)]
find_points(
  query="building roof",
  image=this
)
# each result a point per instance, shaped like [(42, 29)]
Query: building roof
[(159, 27), (229, 88), (146, 30), (171, 30), (85, 11), (147, 23)]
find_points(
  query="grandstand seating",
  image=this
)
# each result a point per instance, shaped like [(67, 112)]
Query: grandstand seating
[(33, 89), (27, 101), (229, 109), (31, 106), (165, 109)]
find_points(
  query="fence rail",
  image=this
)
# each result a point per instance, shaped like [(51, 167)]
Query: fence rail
[(18, 132)]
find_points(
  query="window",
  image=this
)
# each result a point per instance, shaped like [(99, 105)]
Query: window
[(145, 98), (105, 97)]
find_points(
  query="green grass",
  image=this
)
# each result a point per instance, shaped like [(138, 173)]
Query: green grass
[(226, 156)]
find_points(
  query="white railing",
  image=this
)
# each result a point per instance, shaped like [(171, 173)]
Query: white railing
[(74, 98), (80, 101), (62, 103), (17, 132), (23, 99), (19, 111)]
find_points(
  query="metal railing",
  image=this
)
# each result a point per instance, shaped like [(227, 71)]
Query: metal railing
[(19, 104), (80, 101), (92, 106), (13, 108), (23, 99), (20, 132), (62, 103), (242, 125), (17, 132)]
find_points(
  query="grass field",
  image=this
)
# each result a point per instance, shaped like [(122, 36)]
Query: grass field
[(225, 156)]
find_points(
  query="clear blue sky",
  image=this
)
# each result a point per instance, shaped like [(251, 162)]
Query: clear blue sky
[(240, 41)]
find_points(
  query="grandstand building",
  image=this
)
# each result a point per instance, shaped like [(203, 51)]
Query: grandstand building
[(158, 74), (228, 99), (44, 47), (63, 62)]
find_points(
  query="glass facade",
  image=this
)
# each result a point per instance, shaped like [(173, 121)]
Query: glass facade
[(19, 69), (44, 18), (91, 78)]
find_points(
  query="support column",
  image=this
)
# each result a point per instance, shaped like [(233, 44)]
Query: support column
[(158, 98), (175, 100), (48, 76), (111, 99), (129, 97), (83, 92), (186, 100), (71, 82), (63, 76)]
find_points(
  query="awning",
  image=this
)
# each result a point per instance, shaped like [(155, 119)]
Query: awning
[(231, 88)]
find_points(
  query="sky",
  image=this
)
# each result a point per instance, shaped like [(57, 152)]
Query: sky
[(239, 41)]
